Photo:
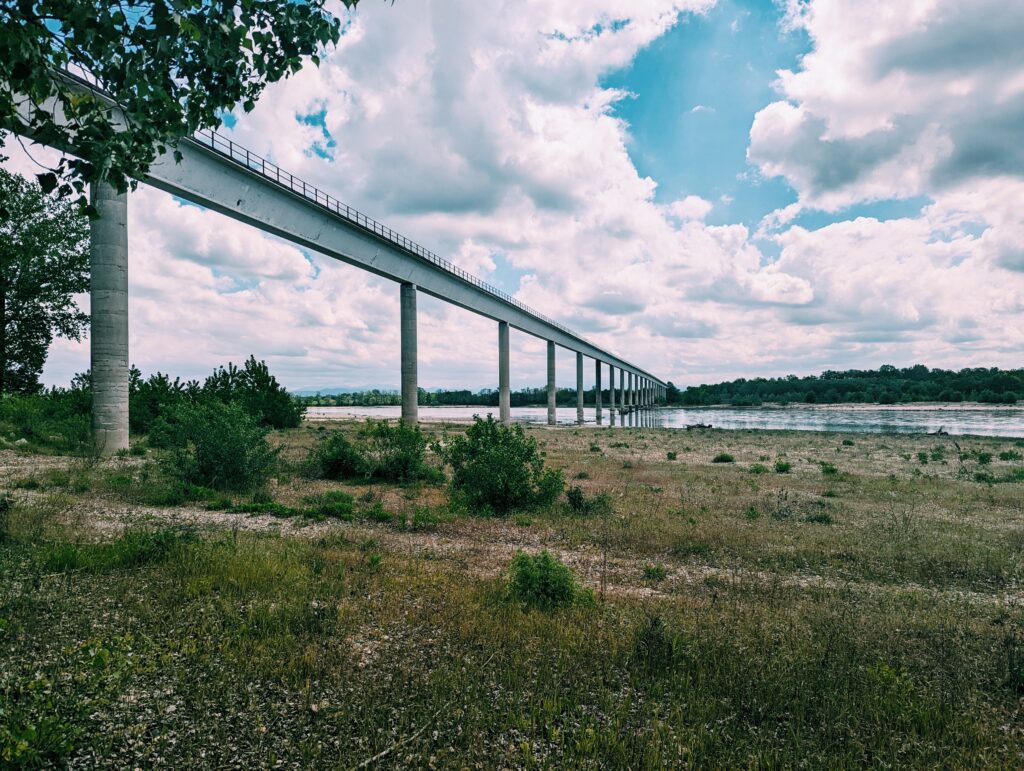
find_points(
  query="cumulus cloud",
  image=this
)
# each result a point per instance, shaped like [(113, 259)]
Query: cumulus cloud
[(484, 132)]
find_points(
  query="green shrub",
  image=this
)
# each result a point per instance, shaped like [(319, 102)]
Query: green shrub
[(215, 445), (828, 469), (581, 475), (723, 457), (543, 581), (498, 468), (655, 572), (257, 391), (582, 506), (847, 443), (984, 457), (654, 646), (335, 504), (783, 467), (335, 457), (819, 518), (1010, 455), (759, 468), (56, 420), (671, 455), (396, 451)]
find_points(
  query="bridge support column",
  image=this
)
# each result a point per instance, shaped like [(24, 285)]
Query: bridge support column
[(622, 391), (611, 393), (631, 396), (410, 386), (552, 388), (579, 388), (597, 390), (504, 394), (108, 336)]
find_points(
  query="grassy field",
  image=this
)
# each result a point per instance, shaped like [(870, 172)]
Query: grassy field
[(758, 599)]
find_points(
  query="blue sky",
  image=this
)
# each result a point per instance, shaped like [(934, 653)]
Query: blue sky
[(787, 187)]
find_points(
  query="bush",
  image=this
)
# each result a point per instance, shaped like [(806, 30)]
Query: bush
[(543, 581), (395, 451), (215, 445), (783, 467), (335, 457), (57, 420), (723, 457), (655, 572), (1010, 455), (257, 391), (759, 468), (582, 506), (671, 455), (498, 468)]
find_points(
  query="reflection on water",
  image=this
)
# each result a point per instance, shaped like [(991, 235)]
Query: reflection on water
[(994, 421)]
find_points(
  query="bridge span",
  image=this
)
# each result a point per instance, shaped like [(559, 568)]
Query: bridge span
[(216, 173)]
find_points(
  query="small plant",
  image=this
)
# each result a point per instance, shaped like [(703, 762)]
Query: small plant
[(829, 469), (847, 443), (581, 475), (819, 518), (335, 504), (671, 455), (654, 646), (922, 458), (582, 506), (723, 457), (543, 581), (595, 448), (655, 572), (752, 513), (759, 468), (783, 467), (1010, 455), (983, 457), (498, 468), (395, 452)]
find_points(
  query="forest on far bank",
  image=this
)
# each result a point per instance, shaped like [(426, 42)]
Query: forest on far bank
[(886, 385)]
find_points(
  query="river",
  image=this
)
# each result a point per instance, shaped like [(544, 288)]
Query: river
[(981, 420)]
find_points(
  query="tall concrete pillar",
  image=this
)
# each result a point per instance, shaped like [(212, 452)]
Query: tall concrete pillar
[(108, 337), (632, 391), (611, 393), (579, 388), (597, 390), (552, 389), (410, 384), (504, 392), (622, 390)]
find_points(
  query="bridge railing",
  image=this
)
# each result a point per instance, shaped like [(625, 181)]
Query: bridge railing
[(274, 173)]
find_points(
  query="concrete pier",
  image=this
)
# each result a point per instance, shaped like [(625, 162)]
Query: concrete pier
[(597, 390), (611, 392), (579, 388), (622, 391), (410, 385), (552, 389), (504, 392), (108, 337)]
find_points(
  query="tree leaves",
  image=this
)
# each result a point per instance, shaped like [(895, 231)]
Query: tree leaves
[(174, 66)]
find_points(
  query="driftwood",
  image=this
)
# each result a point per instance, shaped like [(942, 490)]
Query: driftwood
[(698, 425)]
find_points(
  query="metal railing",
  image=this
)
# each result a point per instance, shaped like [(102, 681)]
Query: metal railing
[(274, 173)]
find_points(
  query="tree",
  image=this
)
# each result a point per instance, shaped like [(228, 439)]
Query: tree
[(44, 263), (174, 67)]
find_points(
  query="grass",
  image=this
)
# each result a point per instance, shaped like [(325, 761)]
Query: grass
[(864, 618)]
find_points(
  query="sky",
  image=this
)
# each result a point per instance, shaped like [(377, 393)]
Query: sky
[(709, 189)]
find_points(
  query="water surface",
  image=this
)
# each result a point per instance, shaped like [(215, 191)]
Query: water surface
[(912, 419)]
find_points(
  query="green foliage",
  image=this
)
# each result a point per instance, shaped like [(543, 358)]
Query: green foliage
[(174, 67), (654, 646), (44, 263), (819, 518), (214, 445), (56, 420), (396, 452), (847, 443), (723, 457), (335, 457), (655, 572), (498, 468), (887, 385), (131, 549), (759, 468), (257, 391), (543, 581), (583, 506), (1010, 455), (393, 452), (671, 455), (783, 467)]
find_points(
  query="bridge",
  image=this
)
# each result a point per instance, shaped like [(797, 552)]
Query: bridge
[(216, 173)]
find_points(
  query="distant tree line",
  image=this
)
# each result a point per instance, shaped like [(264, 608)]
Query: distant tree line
[(486, 397), (886, 385)]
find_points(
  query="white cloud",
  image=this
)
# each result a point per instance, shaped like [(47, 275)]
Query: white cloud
[(482, 130)]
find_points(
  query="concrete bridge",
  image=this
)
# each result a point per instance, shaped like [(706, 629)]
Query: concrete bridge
[(218, 174)]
